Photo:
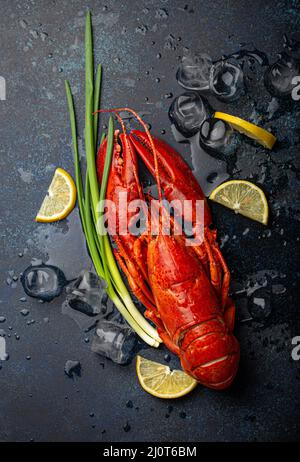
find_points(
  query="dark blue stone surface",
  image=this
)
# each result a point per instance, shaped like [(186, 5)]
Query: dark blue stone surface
[(41, 45)]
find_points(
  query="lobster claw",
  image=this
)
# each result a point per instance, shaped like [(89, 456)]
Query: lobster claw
[(176, 178)]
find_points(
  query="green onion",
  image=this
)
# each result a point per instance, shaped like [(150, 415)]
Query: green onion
[(78, 178), (98, 242), (97, 101), (89, 109)]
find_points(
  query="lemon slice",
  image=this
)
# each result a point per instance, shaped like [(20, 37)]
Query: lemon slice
[(247, 128), (60, 198), (243, 197), (158, 379)]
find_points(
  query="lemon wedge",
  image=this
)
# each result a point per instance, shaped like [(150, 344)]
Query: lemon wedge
[(258, 134), (243, 197), (60, 198), (158, 379)]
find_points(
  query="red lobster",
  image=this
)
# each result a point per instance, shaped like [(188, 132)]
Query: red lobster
[(184, 288)]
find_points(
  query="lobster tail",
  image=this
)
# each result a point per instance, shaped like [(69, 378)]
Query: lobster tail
[(210, 353)]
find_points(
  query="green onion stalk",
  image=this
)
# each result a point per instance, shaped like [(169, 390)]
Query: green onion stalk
[(90, 195)]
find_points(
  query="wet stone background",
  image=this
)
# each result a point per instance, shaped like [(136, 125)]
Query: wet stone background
[(45, 394)]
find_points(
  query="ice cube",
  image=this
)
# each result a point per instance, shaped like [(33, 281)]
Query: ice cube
[(44, 282), (215, 135), (114, 341), (188, 111), (193, 72), (278, 77), (88, 294), (260, 304), (226, 80), (87, 300), (251, 55)]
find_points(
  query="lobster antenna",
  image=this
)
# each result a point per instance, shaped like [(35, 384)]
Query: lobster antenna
[(129, 148)]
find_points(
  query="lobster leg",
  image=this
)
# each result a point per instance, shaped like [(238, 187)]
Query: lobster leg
[(229, 314), (226, 277), (140, 255), (153, 316), (136, 289), (227, 303), (213, 266), (135, 279)]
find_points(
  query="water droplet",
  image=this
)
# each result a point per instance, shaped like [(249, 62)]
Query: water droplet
[(34, 33), (127, 427), (170, 43), (72, 368), (2, 319), (24, 312), (272, 108), (23, 23), (3, 354), (43, 36), (161, 13), (141, 29)]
